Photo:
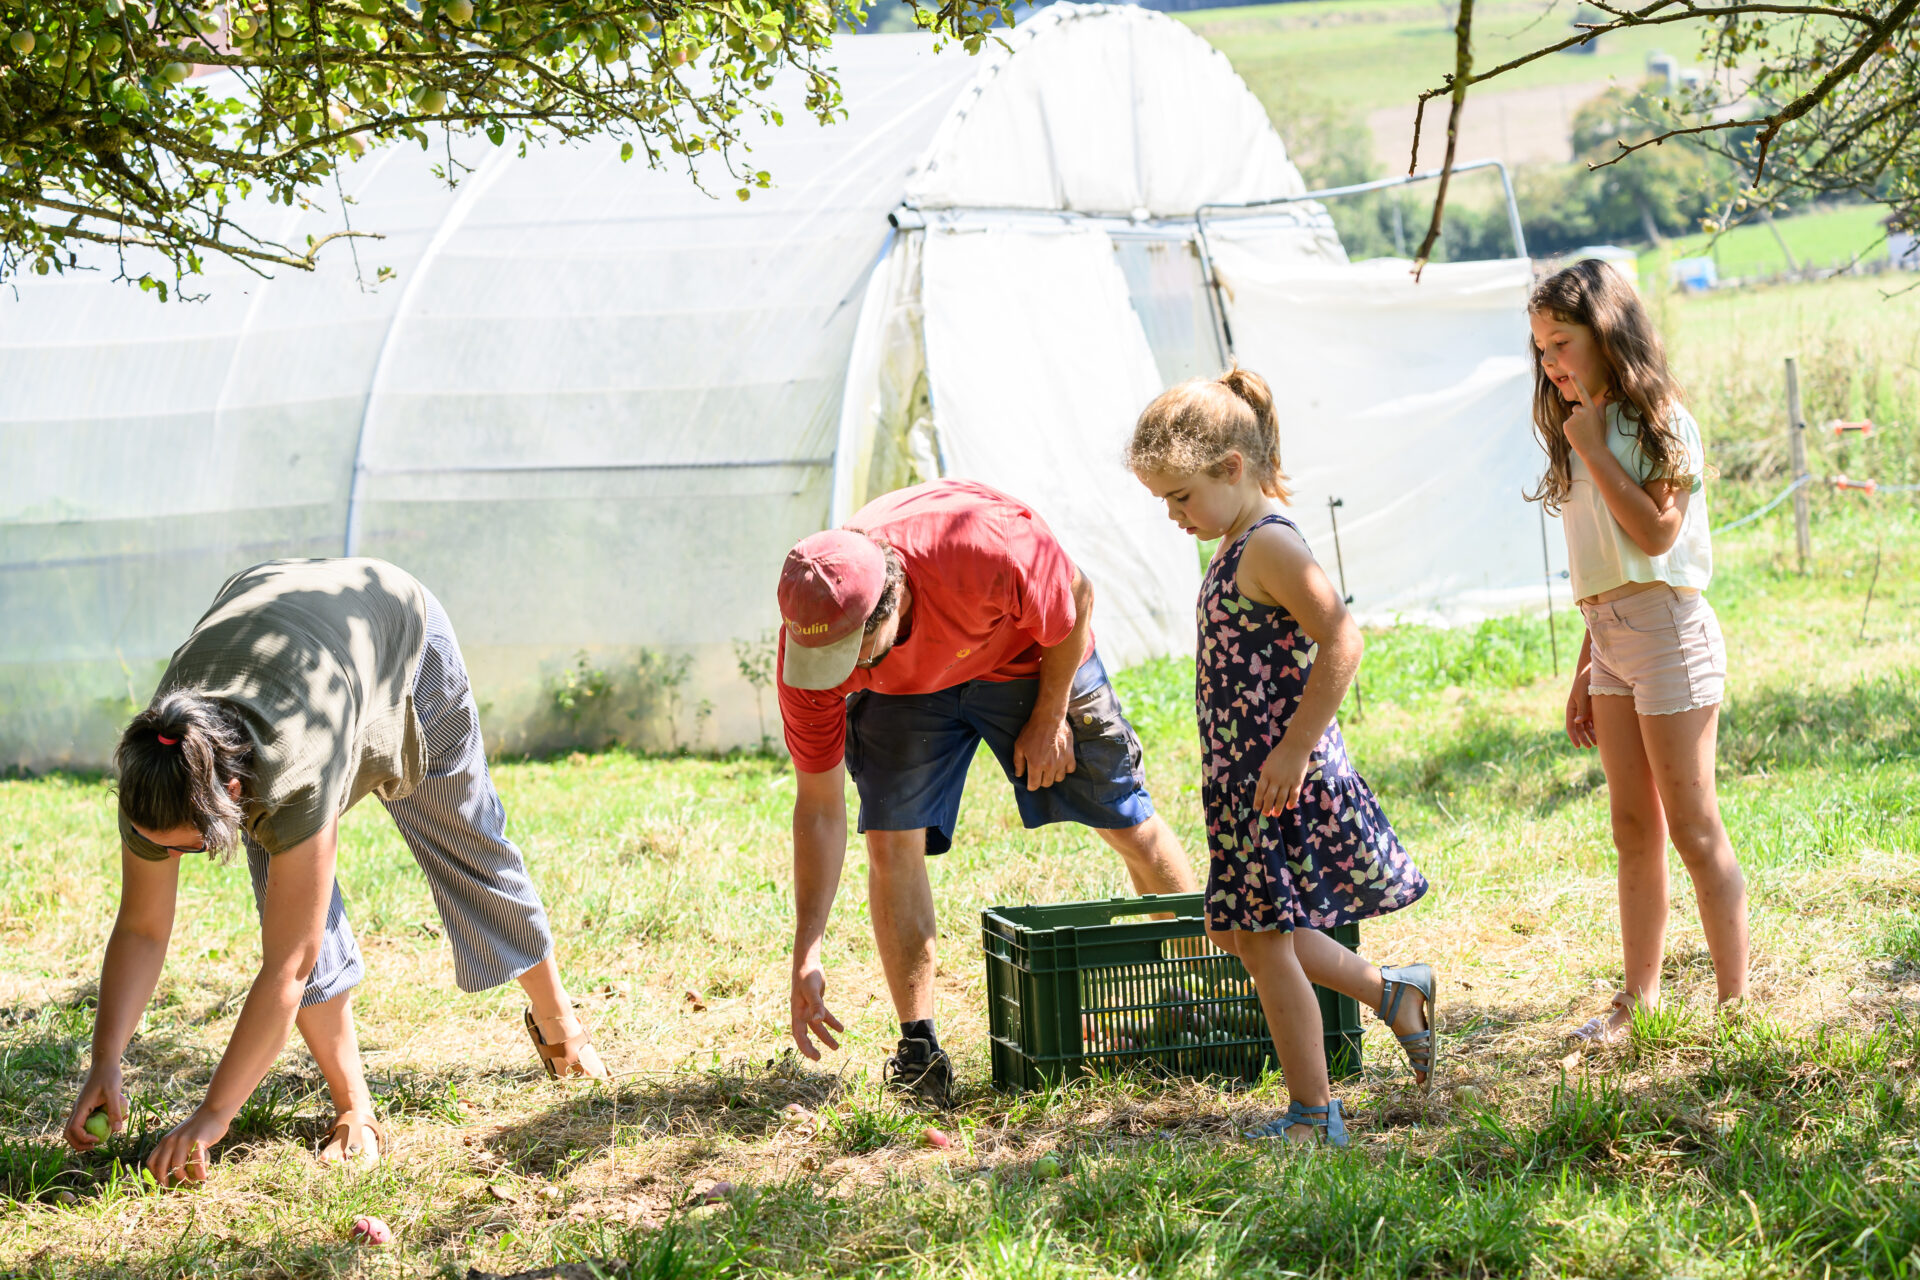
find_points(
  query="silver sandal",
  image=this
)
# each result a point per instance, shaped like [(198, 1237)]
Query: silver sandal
[(1330, 1120), (1422, 1047)]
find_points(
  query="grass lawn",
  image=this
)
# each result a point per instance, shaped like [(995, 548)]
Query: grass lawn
[(1362, 54), (1859, 357), (1826, 238), (1786, 1145)]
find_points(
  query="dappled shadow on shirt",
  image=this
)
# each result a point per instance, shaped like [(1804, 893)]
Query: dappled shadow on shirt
[(312, 670)]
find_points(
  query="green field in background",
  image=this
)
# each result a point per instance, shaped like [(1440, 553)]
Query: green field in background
[(1825, 238), (1366, 54)]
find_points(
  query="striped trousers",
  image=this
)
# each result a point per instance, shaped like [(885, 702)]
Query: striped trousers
[(457, 830)]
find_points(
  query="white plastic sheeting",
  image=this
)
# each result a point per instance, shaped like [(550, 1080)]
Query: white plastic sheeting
[(1038, 368), (150, 451), (1036, 129), (1410, 403), (594, 405), (609, 403), (590, 412)]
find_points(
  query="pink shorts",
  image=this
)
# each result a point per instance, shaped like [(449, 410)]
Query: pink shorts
[(1662, 646)]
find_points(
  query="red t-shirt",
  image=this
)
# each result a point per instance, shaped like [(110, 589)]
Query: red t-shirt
[(991, 587)]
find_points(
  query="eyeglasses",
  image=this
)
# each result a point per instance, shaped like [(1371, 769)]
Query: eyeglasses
[(175, 849)]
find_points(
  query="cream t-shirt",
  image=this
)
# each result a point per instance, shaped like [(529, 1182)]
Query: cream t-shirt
[(1600, 555)]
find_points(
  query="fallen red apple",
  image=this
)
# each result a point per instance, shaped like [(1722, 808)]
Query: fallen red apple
[(935, 1138), (367, 1230)]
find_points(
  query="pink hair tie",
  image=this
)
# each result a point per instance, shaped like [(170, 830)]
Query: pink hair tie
[(165, 741)]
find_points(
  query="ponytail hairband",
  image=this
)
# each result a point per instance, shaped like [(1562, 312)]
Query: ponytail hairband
[(165, 741)]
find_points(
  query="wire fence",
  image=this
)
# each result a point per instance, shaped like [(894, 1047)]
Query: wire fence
[(1838, 482), (1778, 498)]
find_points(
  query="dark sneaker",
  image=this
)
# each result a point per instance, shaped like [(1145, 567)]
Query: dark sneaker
[(921, 1071)]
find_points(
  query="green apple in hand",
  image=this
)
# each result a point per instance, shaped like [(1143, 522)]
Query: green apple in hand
[(97, 1124)]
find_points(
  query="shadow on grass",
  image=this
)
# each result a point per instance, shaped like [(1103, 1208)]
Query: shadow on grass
[(736, 1102), (1464, 1021), (1871, 722), (1766, 1149), (1529, 766), (36, 1070)]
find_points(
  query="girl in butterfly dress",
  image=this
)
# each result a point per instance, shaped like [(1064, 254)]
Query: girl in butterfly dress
[(1299, 843)]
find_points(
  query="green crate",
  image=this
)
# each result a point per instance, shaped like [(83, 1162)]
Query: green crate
[(1089, 987)]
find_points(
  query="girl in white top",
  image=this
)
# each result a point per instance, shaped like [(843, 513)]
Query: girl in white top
[(1626, 471)]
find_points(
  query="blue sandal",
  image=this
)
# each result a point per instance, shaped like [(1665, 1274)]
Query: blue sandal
[(1330, 1120), (1422, 1046)]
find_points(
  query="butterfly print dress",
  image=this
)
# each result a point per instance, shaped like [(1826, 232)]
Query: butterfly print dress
[(1332, 859)]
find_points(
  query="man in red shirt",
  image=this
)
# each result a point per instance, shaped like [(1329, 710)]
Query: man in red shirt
[(939, 617)]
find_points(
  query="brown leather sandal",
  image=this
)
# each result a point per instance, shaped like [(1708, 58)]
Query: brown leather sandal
[(563, 1059), (351, 1151)]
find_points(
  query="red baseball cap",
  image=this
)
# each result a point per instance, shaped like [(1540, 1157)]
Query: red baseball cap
[(828, 588)]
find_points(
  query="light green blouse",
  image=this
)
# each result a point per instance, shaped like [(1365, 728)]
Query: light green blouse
[(1600, 555)]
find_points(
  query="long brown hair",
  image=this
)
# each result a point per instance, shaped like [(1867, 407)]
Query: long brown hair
[(1191, 428), (1593, 294), (175, 760)]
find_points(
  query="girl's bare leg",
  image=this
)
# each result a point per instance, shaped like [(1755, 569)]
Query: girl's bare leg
[(1293, 1015), (1680, 751), (1640, 837), (1333, 966)]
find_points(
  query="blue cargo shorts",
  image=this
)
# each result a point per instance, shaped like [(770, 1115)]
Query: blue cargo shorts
[(909, 755)]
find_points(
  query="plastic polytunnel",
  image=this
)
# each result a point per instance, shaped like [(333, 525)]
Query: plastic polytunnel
[(591, 405)]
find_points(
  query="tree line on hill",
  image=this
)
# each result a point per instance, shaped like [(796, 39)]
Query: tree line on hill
[(1811, 99), (1669, 190)]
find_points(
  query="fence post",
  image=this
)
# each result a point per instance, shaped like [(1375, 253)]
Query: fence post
[(1546, 562), (1340, 562), (1797, 440)]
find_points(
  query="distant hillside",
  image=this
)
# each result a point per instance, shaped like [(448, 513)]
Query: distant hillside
[(1368, 54), (1367, 60), (897, 15)]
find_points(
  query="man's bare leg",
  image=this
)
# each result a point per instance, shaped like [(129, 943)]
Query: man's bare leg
[(900, 900), (1155, 861)]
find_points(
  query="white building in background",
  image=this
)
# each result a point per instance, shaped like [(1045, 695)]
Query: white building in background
[(1903, 249), (595, 406), (1621, 259)]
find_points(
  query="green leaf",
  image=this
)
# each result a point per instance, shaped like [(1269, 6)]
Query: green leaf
[(171, 152)]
